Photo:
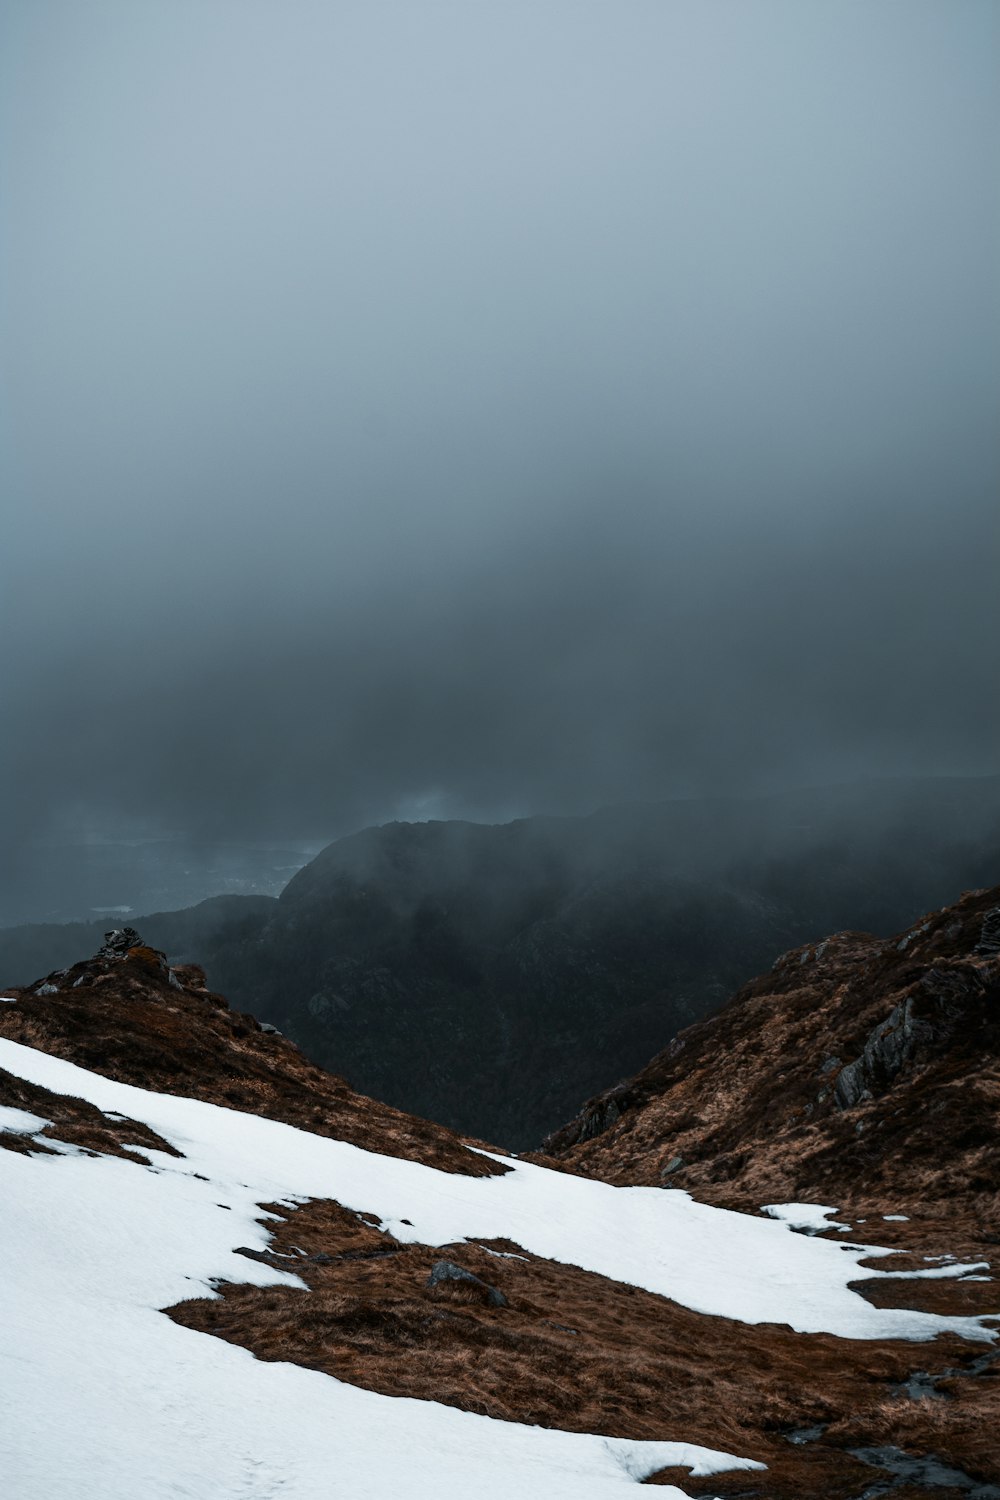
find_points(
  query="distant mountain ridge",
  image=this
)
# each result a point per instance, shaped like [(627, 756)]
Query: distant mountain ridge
[(493, 976)]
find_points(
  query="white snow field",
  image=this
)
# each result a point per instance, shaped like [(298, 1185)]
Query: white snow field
[(106, 1399)]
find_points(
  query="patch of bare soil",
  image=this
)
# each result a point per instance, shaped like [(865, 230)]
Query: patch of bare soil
[(575, 1351), (135, 1020)]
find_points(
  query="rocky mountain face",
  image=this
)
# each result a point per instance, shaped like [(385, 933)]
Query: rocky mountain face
[(855, 1066), (491, 977), (857, 1073)]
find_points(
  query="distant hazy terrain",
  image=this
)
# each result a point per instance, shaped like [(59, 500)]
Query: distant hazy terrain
[(113, 879), (492, 977)]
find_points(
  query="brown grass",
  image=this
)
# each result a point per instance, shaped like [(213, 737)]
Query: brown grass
[(579, 1352), (747, 1100)]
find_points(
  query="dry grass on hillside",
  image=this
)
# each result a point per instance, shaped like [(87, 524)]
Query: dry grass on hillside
[(133, 1021), (579, 1352)]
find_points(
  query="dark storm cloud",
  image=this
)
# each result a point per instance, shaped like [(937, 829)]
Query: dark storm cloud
[(449, 408)]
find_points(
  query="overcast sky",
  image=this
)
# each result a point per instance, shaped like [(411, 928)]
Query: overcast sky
[(488, 406)]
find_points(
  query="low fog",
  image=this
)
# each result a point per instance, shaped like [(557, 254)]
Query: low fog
[(449, 409)]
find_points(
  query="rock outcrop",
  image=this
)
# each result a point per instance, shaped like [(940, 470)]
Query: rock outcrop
[(445, 1272)]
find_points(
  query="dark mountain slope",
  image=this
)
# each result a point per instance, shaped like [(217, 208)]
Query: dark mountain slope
[(491, 977)]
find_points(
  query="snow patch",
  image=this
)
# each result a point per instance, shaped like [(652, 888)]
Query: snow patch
[(809, 1216), (19, 1121), (955, 1270)]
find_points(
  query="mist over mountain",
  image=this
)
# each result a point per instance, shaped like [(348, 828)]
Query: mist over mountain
[(492, 977), (110, 879)]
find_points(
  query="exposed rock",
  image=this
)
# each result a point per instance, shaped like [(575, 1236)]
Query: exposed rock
[(891, 1044), (750, 1102), (190, 976), (446, 1270), (118, 941), (989, 942), (598, 1115), (123, 943)]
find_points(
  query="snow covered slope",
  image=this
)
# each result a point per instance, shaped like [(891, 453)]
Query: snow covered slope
[(107, 1398), (714, 1261)]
